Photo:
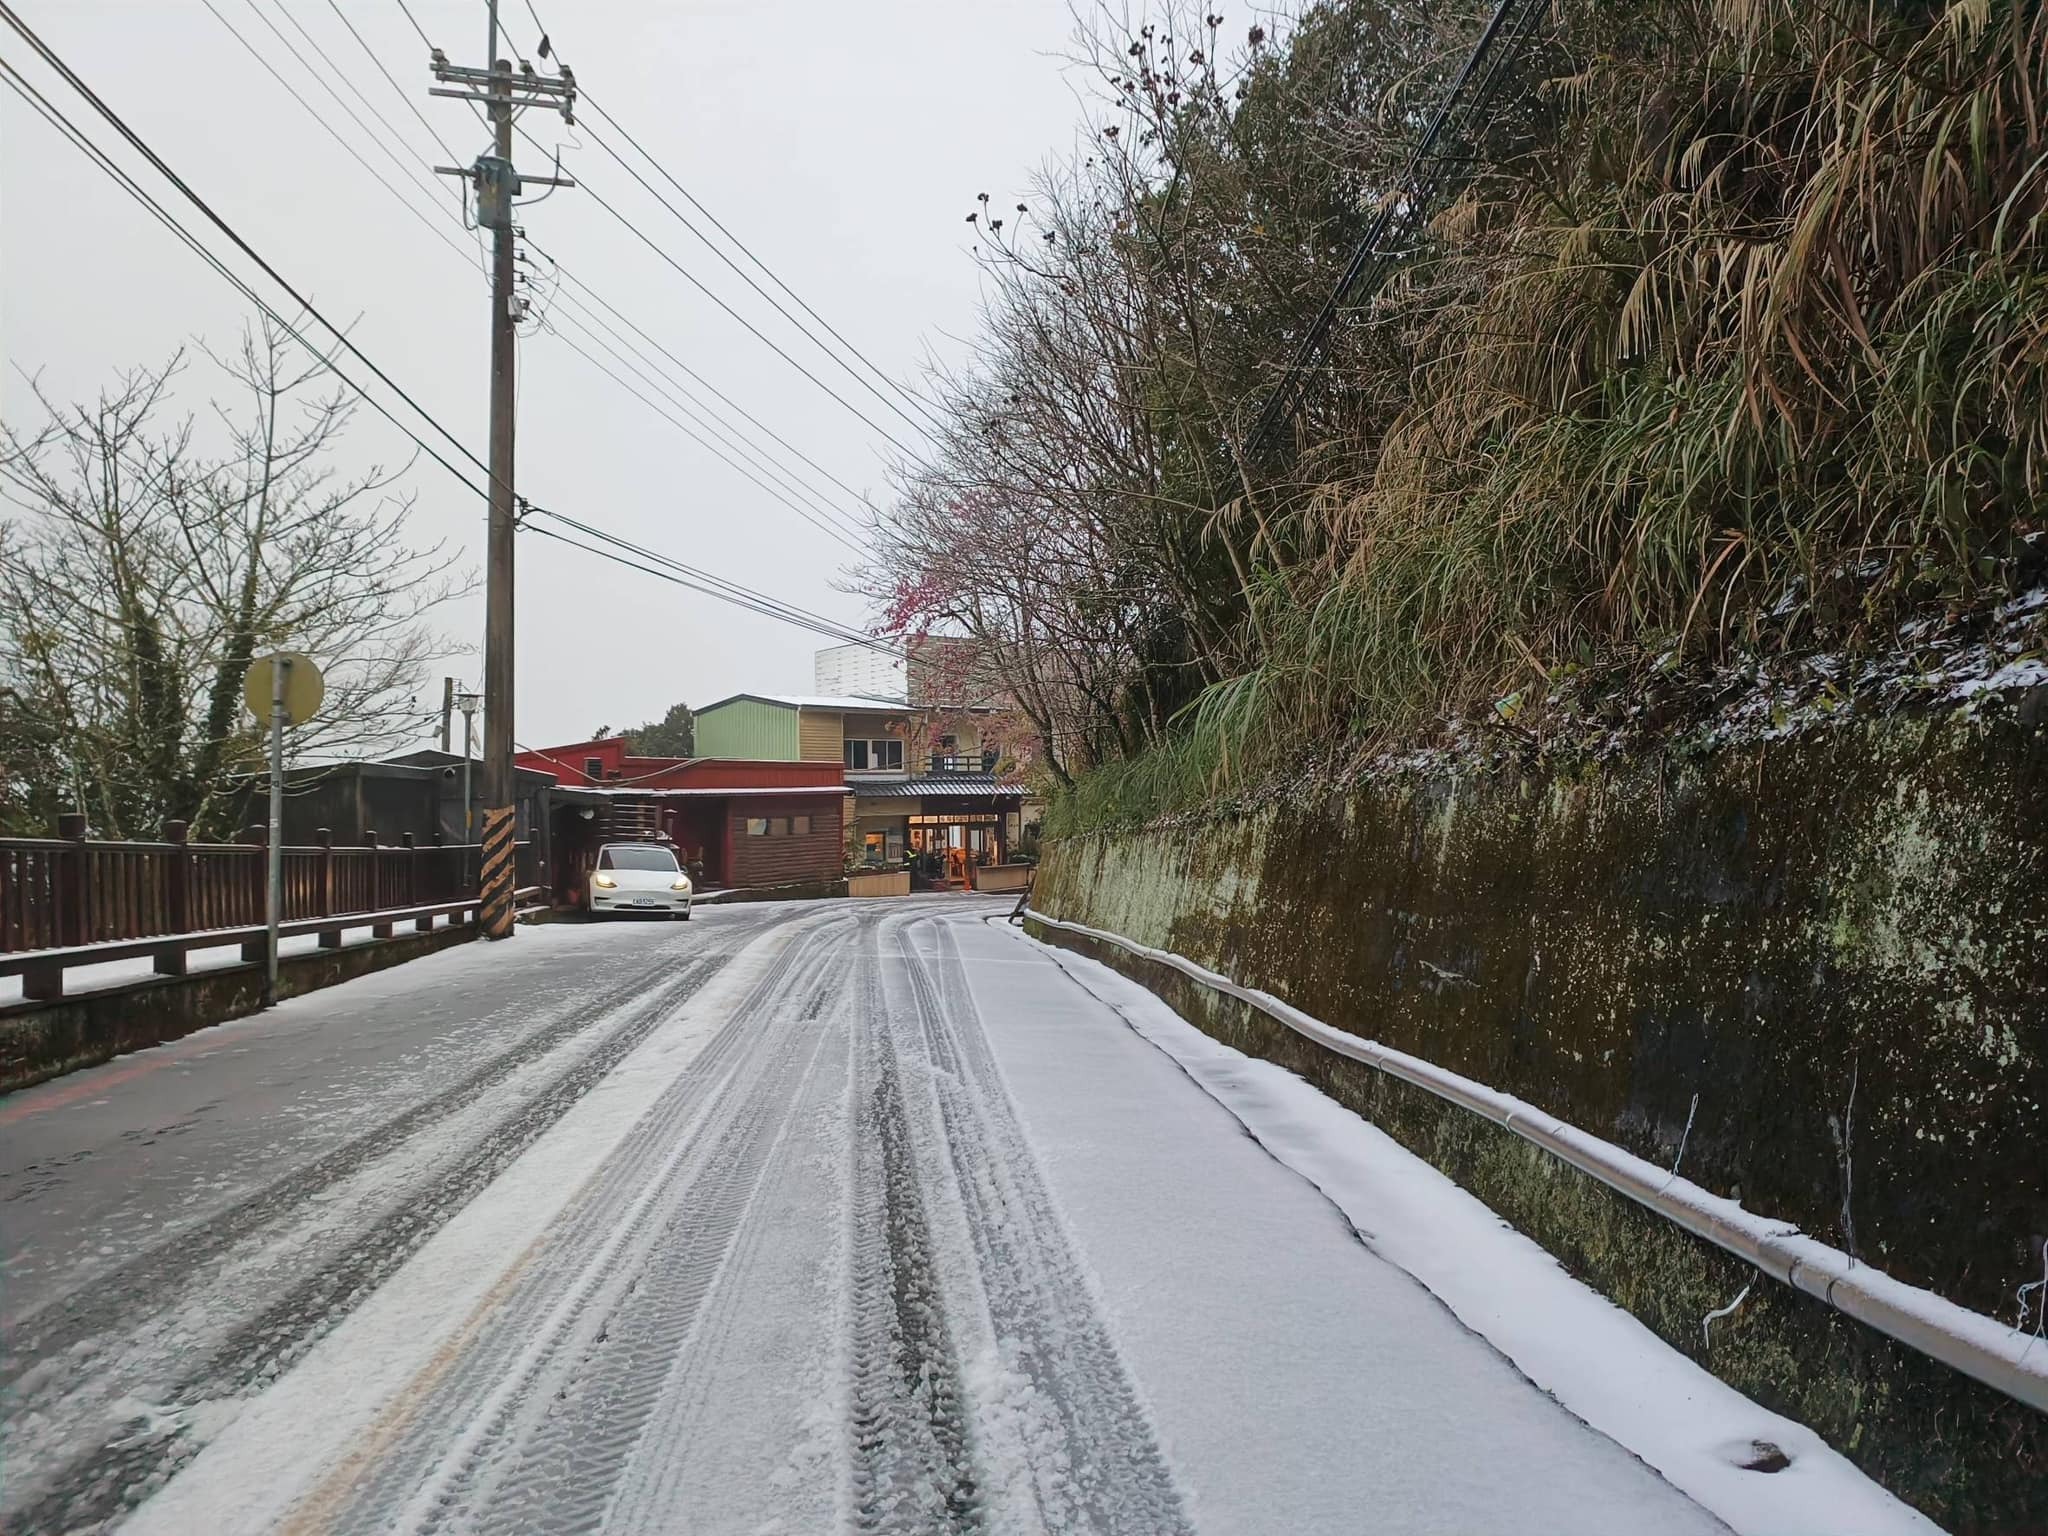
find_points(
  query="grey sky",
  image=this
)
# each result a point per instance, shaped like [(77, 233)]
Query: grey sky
[(844, 143)]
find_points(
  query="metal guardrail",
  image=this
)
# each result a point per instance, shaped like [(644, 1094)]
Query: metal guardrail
[(42, 970), (2013, 1362)]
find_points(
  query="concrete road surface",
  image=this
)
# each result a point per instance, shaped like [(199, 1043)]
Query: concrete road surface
[(843, 1216)]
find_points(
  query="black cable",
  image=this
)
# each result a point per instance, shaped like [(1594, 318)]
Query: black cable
[(1405, 203), (671, 390), (797, 298), (690, 277), (314, 113), (694, 572), (405, 167), (681, 581), (712, 219), (809, 516), (748, 595), (332, 132), (820, 514), (699, 378), (415, 23), (57, 119), (403, 94), (761, 602), (543, 31), (845, 367), (701, 581), (135, 141)]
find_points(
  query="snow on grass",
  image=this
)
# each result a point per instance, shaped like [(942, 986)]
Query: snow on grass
[(1595, 1359)]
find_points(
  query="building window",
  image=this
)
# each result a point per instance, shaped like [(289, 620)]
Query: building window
[(593, 769), (757, 826), (875, 753), (799, 826)]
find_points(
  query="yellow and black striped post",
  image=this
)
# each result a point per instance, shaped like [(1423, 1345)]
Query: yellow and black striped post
[(501, 828)]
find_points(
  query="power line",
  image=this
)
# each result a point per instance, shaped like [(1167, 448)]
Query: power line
[(1405, 205), (699, 378), (774, 303), (332, 132), (730, 599), (77, 137), (659, 380), (652, 563), (820, 514), (759, 335), (716, 586), (314, 113), (543, 31), (696, 573), (752, 329), (403, 94), (816, 521), (415, 23), (661, 575), (405, 167), (713, 219), (355, 90)]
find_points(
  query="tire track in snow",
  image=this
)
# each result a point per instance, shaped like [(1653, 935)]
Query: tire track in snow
[(1093, 1461), (565, 1477), (532, 1427), (912, 1469), (97, 1485)]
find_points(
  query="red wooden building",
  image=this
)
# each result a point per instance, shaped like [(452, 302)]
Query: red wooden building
[(735, 823)]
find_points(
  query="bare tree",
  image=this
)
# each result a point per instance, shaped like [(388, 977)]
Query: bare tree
[(142, 571)]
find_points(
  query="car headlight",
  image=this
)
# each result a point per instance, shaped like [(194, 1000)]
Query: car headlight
[(682, 883), (604, 882)]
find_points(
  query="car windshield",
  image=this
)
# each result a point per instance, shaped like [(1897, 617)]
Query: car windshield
[(637, 858)]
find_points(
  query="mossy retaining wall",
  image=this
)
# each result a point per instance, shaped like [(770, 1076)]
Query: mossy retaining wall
[(1838, 942)]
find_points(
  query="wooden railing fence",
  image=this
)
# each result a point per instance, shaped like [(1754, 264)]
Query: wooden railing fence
[(70, 890)]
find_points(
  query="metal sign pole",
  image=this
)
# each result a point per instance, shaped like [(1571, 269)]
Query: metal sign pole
[(273, 903)]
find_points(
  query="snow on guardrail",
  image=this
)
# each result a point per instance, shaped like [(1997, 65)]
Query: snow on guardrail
[(2014, 1362)]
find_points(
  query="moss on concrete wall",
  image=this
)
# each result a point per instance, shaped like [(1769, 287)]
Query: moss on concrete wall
[(1838, 943)]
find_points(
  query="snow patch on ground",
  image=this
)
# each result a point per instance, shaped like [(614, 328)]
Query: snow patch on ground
[(286, 1444), (1599, 1362), (218, 957)]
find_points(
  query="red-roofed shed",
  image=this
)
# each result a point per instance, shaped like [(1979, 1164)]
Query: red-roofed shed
[(736, 823)]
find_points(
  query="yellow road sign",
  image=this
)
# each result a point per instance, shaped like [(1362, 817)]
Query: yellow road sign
[(304, 687)]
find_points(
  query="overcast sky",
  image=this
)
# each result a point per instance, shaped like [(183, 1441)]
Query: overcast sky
[(844, 143)]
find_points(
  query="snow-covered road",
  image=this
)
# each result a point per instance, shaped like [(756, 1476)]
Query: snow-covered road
[(825, 1217)]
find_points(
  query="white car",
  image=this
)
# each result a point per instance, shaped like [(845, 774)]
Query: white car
[(639, 877)]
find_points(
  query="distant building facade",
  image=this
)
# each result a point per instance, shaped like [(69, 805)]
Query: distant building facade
[(743, 822), (919, 794), (874, 671)]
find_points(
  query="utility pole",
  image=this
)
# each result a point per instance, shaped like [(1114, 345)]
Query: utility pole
[(497, 185), (447, 709), (273, 856)]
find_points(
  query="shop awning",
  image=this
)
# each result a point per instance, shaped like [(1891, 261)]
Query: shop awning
[(949, 786)]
